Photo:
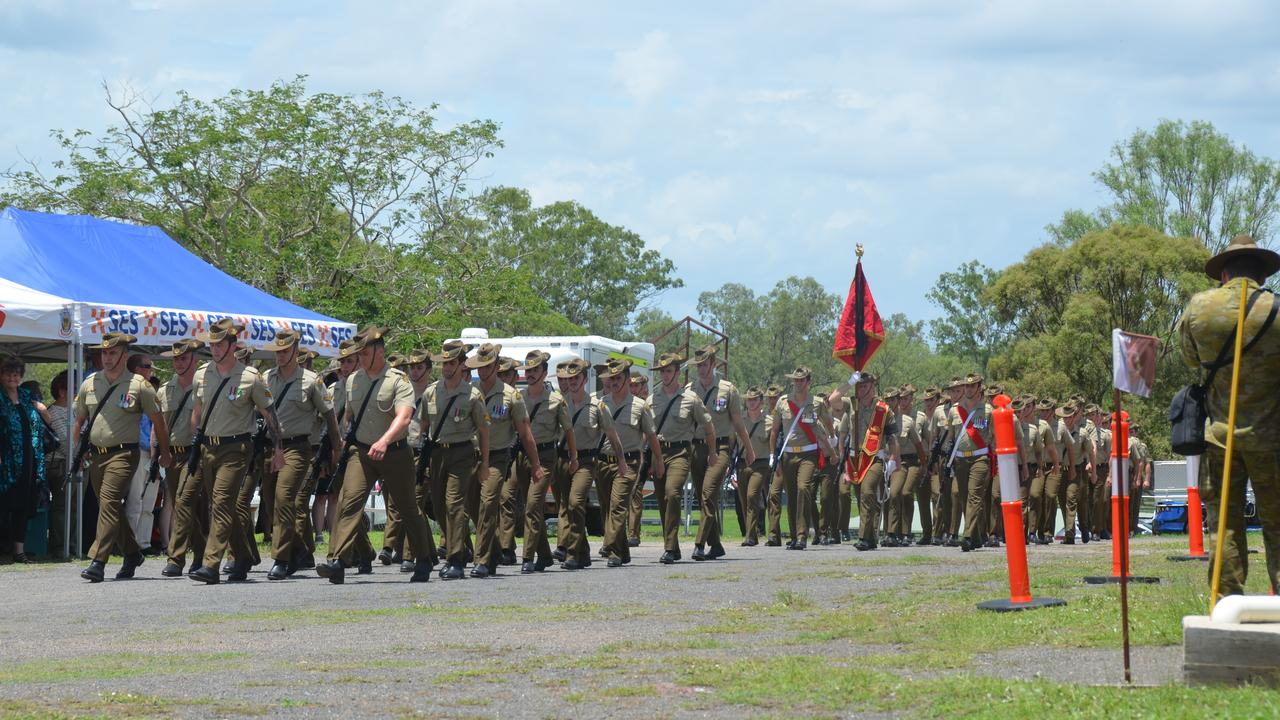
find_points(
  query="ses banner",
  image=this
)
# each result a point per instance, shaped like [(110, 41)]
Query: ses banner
[(153, 326)]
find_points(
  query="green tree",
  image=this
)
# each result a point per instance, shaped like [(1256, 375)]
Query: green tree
[(905, 356), (1185, 180), (969, 328)]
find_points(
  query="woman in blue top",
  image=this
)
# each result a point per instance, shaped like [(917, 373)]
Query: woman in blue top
[(22, 482)]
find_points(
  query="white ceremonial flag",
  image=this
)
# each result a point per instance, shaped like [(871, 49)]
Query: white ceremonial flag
[(1133, 361)]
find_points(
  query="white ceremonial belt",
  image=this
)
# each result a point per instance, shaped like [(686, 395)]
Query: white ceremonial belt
[(972, 453), (803, 448)]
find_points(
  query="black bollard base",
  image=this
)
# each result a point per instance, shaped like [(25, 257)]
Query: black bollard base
[(1186, 558), (1115, 579), (1011, 606)]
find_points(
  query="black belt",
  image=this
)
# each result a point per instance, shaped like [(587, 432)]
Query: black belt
[(543, 447), (296, 439), (719, 441), (582, 454), (99, 450), (681, 445), (629, 457), (452, 445), (228, 439), (390, 446)]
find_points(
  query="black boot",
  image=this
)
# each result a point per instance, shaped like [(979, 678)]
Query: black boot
[(206, 575), (95, 572)]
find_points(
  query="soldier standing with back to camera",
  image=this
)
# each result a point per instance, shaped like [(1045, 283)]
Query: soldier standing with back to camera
[(110, 404), (226, 395), (710, 462), (300, 398), (190, 525)]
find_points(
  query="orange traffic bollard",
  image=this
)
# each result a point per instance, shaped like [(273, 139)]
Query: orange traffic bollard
[(1119, 507), (1014, 532), (1195, 514)]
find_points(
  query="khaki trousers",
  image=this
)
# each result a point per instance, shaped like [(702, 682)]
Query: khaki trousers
[(829, 519), (751, 485), (941, 498), (254, 476), (846, 504), (668, 489), (869, 500), (797, 471), (190, 527), (222, 468), (1068, 497), (620, 487), (1263, 470), (635, 520), (773, 506), (452, 471), (303, 528), (574, 534), (110, 475), (288, 483), (973, 479), (708, 467), (490, 509), (1044, 498), (535, 494), (395, 470), (902, 491), (1101, 496)]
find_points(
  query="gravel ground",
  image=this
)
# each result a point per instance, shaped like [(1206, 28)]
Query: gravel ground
[(595, 643)]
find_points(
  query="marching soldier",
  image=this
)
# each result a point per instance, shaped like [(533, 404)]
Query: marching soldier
[(378, 407), (634, 427), (754, 476), (1070, 440), (826, 481), (1100, 490), (191, 506), (796, 420), (509, 373), (927, 492), (710, 464), (226, 394), (640, 389), (946, 517), (110, 403), (508, 430), (348, 362), (678, 413), (970, 421), (1030, 456), (300, 398), (906, 477), (875, 436), (417, 364), (777, 481), (592, 428), (1139, 474), (842, 413), (454, 414)]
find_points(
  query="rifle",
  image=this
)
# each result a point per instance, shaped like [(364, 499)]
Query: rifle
[(320, 458), (153, 469), (421, 465)]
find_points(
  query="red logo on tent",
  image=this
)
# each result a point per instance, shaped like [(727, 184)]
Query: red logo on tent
[(1, 316)]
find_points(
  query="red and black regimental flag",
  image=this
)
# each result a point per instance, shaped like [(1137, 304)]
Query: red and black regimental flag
[(860, 331)]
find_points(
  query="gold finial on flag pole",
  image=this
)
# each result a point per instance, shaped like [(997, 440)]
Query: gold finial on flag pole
[(858, 250)]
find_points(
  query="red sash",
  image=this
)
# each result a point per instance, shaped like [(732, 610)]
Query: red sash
[(808, 432), (974, 436), (871, 444)]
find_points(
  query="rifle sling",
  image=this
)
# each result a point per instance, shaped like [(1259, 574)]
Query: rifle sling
[(84, 442), (435, 433), (355, 425), (616, 414), (208, 412)]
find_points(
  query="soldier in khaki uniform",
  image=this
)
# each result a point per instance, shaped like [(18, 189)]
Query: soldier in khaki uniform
[(378, 406), (190, 525), (753, 478), (114, 400), (1100, 491), (1205, 328), (777, 482), (417, 365), (710, 462), (1070, 439), (926, 498), (826, 483), (970, 421), (592, 428), (872, 485), (640, 389), (300, 398), (679, 416), (548, 421), (1139, 474), (454, 414), (803, 440), (906, 477), (1044, 487), (1030, 457), (842, 414), (508, 430), (945, 523), (226, 394), (634, 427)]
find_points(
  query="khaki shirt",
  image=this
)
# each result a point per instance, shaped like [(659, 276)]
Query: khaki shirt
[(505, 406), (811, 413), (908, 435), (722, 401), (1103, 445), (683, 422), (981, 422), (590, 421), (1206, 325), (465, 417), (306, 400), (552, 414), (892, 428), (121, 417), (1034, 447), (394, 392), (233, 413), (169, 397), (632, 421), (758, 431)]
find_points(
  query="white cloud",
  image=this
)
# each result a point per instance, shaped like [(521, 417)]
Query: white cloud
[(647, 69)]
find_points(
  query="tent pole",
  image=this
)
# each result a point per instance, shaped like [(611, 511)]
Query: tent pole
[(70, 451), (77, 374)]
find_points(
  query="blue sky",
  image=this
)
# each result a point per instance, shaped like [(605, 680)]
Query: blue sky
[(747, 141)]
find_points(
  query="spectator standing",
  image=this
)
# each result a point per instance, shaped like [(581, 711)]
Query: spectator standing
[(22, 483)]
